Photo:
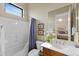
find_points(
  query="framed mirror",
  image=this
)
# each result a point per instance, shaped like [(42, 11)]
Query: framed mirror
[(61, 22), (77, 20), (77, 23)]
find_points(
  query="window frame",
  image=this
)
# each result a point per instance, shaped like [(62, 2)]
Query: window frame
[(16, 7)]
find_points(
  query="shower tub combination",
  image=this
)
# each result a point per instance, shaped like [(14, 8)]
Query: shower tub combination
[(14, 37)]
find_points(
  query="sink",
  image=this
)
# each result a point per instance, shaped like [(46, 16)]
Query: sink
[(61, 44), (58, 45), (68, 48)]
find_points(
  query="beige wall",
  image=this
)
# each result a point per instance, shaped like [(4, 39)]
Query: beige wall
[(22, 5)]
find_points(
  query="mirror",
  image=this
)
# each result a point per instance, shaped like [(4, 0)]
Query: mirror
[(61, 25), (77, 17), (61, 22), (77, 21)]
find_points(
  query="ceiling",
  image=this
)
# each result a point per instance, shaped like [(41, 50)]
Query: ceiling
[(48, 6)]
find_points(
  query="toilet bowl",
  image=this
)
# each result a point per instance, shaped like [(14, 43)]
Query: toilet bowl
[(35, 52)]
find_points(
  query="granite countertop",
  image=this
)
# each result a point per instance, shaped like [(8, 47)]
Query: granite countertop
[(67, 50)]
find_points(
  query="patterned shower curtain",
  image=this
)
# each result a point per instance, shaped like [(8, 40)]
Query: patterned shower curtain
[(32, 37)]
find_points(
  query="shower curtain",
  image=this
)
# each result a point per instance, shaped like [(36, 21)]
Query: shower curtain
[(14, 37), (32, 37)]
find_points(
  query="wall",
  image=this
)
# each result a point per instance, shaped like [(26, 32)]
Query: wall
[(22, 5), (40, 12)]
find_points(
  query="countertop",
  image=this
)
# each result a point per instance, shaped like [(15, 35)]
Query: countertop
[(67, 50)]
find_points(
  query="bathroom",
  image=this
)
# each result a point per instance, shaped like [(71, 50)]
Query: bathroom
[(23, 33)]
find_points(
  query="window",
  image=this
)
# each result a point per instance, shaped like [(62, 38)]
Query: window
[(13, 9)]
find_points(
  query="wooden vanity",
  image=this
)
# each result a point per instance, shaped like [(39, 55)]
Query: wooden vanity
[(49, 52), (57, 49)]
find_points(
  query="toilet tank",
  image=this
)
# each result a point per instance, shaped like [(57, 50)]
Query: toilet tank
[(38, 43)]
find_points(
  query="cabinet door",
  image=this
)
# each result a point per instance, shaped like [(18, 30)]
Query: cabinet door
[(48, 52)]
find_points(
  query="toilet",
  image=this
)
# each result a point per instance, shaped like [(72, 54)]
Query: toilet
[(35, 52)]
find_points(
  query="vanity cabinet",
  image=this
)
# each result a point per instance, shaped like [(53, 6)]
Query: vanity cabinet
[(49, 52)]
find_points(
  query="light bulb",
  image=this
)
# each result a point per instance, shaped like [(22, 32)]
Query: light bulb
[(60, 20)]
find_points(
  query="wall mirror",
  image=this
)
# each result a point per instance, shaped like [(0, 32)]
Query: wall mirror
[(61, 22), (77, 21)]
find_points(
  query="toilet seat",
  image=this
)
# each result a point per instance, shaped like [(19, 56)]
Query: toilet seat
[(34, 52)]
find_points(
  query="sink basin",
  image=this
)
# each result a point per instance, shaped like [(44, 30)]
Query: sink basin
[(58, 46)]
